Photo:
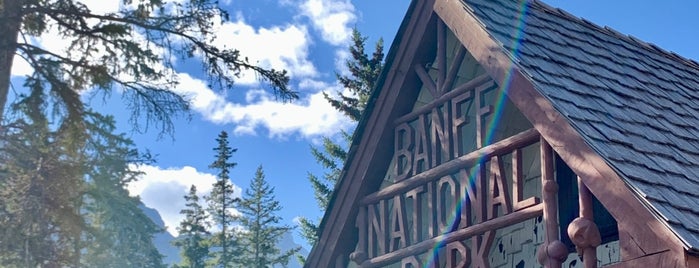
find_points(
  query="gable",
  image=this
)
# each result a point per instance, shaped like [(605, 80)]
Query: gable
[(386, 163)]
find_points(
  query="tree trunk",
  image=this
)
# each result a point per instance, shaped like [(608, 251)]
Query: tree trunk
[(10, 22)]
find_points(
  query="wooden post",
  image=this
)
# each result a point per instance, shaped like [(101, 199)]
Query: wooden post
[(360, 255), (583, 231), (553, 252)]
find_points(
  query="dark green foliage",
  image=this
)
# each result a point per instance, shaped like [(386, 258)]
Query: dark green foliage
[(262, 228), (63, 201), (123, 232), (193, 230), (221, 201), (130, 49), (364, 73), (40, 191)]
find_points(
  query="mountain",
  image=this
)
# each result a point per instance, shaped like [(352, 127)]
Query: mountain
[(162, 240), (172, 255), (286, 243)]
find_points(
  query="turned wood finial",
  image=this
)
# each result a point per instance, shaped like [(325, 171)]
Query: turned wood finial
[(552, 251), (583, 231)]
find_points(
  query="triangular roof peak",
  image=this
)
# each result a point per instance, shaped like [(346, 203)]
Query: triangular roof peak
[(622, 113), (633, 103)]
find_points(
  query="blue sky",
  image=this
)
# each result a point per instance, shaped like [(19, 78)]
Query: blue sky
[(309, 38)]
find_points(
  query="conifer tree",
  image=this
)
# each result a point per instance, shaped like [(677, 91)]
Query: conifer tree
[(122, 234), (262, 230), (63, 201), (40, 187), (221, 202), (130, 48), (364, 71), (193, 233)]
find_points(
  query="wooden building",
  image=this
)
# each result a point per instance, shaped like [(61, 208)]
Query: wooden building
[(507, 133)]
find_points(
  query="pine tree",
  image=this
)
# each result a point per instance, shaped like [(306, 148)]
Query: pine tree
[(221, 201), (120, 233), (41, 185), (262, 230), (364, 73), (121, 49), (63, 198), (193, 231)]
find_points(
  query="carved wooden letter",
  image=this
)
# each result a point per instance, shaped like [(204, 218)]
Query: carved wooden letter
[(431, 210), (481, 111), (377, 229), (421, 161), (500, 196), (444, 212), (403, 151), (459, 119), (399, 234), (481, 248), (460, 250), (440, 135), (473, 186), (518, 183), (414, 194)]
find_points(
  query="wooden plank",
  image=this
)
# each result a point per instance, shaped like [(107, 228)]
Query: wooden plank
[(441, 55), (639, 230), (470, 85), (519, 140), (427, 81), (458, 235), (454, 68)]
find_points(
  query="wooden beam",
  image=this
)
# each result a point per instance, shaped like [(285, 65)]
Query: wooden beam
[(507, 145), (427, 81), (458, 235), (441, 56), (454, 68)]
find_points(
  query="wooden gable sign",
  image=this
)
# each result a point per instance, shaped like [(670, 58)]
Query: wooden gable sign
[(460, 162)]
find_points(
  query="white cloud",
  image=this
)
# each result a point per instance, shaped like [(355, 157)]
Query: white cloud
[(332, 18), (311, 116), (278, 47), (164, 190), (341, 57), (101, 6), (21, 67)]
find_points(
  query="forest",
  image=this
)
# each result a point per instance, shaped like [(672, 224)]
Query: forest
[(65, 165)]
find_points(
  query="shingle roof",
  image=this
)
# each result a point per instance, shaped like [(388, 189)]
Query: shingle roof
[(634, 103)]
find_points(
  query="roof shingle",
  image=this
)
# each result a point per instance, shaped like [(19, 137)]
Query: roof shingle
[(634, 103)]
